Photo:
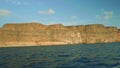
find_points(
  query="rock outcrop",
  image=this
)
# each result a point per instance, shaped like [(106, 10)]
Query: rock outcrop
[(27, 34)]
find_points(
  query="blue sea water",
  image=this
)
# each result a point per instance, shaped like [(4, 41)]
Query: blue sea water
[(66, 56)]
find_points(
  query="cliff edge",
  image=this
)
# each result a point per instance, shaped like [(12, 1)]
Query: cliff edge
[(36, 34)]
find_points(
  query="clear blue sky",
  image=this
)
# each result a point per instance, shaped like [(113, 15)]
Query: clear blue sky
[(67, 12)]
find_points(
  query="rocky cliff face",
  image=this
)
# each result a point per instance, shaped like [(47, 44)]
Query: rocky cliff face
[(39, 34)]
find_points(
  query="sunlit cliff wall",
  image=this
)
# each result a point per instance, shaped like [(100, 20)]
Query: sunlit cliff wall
[(39, 34)]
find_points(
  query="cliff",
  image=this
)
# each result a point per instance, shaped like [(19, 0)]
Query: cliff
[(26, 34)]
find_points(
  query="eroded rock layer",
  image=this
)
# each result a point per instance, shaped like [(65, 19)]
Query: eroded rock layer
[(26, 34)]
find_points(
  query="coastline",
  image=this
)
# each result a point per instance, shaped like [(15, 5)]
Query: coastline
[(23, 44)]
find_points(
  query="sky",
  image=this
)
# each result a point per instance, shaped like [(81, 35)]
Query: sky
[(67, 12)]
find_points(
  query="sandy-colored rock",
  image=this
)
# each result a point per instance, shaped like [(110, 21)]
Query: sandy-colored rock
[(27, 34)]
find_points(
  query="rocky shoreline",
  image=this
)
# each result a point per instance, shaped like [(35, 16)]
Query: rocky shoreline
[(36, 34)]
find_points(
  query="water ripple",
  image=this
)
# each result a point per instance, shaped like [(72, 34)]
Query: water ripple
[(68, 56)]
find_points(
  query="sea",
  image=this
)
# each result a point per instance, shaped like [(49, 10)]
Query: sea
[(105, 55)]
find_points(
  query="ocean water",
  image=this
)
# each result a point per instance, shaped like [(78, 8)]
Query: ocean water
[(66, 56)]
